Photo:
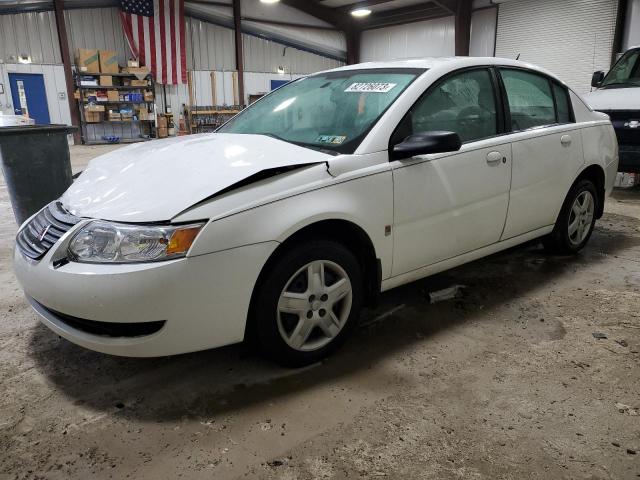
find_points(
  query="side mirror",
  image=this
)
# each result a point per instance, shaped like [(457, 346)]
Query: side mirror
[(597, 78), (426, 142)]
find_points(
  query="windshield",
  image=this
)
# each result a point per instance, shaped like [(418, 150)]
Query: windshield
[(626, 71), (329, 111)]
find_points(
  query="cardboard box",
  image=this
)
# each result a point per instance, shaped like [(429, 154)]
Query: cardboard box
[(139, 72), (94, 108), (162, 132), (133, 63), (114, 116), (87, 60), (148, 96), (106, 81), (93, 117), (139, 83), (143, 114), (113, 96), (126, 117), (162, 121), (109, 61)]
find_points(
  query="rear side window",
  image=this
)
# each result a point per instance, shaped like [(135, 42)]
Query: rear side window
[(463, 103), (562, 103), (530, 99)]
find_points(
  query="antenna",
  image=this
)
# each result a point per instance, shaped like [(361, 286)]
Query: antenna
[(518, 57)]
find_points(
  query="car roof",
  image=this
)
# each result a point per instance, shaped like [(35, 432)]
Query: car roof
[(434, 62), (446, 64)]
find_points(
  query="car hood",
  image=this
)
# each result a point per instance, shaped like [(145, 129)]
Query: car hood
[(155, 181), (614, 99)]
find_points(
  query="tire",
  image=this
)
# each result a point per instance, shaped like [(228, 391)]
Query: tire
[(568, 237), (298, 320)]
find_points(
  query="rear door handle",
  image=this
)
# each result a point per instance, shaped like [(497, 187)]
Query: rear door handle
[(495, 157), (565, 140)]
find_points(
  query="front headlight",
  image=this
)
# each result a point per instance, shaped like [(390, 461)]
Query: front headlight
[(106, 242)]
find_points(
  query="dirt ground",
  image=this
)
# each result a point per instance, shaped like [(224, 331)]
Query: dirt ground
[(507, 382)]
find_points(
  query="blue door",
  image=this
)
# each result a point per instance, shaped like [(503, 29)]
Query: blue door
[(29, 96)]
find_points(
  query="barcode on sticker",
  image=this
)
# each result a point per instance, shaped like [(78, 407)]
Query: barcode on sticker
[(377, 87)]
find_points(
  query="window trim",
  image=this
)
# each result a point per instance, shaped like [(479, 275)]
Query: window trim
[(551, 81), (501, 125)]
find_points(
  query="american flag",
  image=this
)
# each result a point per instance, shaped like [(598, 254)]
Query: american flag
[(155, 33)]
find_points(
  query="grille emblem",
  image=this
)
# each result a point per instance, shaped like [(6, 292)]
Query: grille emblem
[(44, 232), (632, 124)]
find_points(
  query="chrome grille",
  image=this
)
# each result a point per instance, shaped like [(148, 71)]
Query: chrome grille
[(44, 230)]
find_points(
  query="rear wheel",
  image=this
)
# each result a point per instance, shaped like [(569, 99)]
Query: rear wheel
[(576, 220), (308, 303)]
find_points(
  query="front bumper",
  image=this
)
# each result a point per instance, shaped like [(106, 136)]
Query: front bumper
[(203, 300)]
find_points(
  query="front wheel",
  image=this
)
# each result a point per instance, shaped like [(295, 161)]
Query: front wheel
[(308, 302), (576, 220)]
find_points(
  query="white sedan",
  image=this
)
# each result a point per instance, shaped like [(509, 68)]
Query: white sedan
[(308, 204)]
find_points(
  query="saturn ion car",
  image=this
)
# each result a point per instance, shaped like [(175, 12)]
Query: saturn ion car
[(300, 210)]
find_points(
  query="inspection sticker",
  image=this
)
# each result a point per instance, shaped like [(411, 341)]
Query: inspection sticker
[(333, 139), (374, 87)]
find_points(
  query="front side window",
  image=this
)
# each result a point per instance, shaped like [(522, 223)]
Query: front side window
[(625, 73), (530, 99), (464, 103), (329, 111)]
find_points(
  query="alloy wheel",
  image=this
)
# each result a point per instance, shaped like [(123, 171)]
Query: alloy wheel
[(581, 217)]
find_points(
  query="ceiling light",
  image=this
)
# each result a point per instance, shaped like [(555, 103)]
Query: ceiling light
[(360, 12), (269, 1)]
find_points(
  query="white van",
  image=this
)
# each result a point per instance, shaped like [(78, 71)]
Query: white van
[(618, 95)]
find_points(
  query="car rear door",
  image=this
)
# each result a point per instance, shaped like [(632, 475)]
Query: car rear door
[(546, 146), (452, 203)]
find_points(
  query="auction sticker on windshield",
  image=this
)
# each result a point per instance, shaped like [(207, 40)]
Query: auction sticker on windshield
[(373, 87), (333, 139)]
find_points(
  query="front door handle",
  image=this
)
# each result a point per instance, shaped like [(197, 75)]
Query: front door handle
[(565, 140), (495, 157)]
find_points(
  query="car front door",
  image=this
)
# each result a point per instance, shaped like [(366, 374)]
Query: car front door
[(452, 203), (546, 146)]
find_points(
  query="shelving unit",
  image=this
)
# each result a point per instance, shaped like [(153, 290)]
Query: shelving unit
[(209, 118), (128, 131)]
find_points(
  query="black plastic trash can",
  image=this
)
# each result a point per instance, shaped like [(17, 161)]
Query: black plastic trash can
[(36, 165)]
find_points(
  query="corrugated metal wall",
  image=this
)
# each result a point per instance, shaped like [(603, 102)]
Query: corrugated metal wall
[(32, 34), (262, 55), (571, 38), (430, 38), (96, 28), (209, 46)]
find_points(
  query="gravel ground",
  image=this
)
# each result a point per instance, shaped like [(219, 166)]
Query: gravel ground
[(506, 382)]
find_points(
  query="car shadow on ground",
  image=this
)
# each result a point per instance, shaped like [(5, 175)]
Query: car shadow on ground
[(234, 378)]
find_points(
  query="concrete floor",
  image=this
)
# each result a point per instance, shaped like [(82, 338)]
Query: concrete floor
[(507, 382)]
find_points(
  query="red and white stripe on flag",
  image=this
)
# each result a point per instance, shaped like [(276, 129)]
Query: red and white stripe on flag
[(155, 33)]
